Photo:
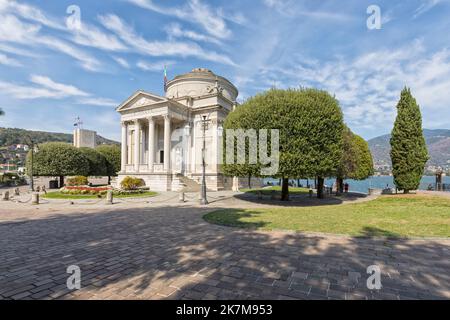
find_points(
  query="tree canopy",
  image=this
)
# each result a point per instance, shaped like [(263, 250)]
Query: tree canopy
[(112, 154), (98, 166), (408, 148), (58, 159), (310, 124)]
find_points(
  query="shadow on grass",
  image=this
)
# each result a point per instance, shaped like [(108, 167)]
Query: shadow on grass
[(234, 218), (374, 232)]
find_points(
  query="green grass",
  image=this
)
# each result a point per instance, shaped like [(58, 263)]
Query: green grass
[(59, 195), (392, 216), (277, 189)]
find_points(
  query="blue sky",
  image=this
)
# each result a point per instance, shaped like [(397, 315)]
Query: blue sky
[(50, 74)]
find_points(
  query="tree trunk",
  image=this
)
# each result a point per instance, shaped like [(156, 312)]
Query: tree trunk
[(61, 181), (109, 180), (406, 191), (298, 183), (249, 181), (320, 184), (285, 189), (340, 186)]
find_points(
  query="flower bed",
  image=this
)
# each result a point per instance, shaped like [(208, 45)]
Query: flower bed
[(85, 190)]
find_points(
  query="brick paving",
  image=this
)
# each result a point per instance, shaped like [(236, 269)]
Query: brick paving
[(155, 252)]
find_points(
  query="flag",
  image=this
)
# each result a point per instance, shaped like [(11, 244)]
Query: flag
[(165, 78)]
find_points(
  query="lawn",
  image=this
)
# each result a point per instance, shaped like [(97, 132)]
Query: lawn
[(392, 216), (59, 195)]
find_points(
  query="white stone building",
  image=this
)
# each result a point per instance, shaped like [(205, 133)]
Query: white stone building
[(162, 137), (83, 138)]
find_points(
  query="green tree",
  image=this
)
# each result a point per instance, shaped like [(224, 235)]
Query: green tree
[(112, 153), (97, 162), (408, 148), (356, 162), (58, 159), (310, 123), (2, 113)]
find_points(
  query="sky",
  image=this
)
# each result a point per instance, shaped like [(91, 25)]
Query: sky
[(55, 67)]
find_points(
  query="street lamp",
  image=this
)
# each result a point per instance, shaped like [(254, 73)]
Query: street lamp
[(31, 164), (204, 200)]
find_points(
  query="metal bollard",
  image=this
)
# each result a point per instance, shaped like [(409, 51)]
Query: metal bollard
[(109, 197), (5, 196), (35, 198), (181, 197)]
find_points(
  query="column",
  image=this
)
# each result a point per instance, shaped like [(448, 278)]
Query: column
[(124, 147), (151, 143), (167, 143), (137, 130)]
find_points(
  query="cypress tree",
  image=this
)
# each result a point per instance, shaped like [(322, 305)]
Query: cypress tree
[(408, 148)]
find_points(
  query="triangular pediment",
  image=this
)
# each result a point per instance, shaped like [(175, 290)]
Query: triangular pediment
[(140, 99)]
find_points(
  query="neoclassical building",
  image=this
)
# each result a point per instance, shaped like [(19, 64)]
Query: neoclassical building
[(162, 137)]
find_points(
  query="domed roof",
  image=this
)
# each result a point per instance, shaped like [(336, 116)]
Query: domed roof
[(202, 79)]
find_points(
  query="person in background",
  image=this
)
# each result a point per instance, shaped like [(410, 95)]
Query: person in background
[(346, 187)]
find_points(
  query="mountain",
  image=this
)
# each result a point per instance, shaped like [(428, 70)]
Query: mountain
[(438, 143), (10, 136)]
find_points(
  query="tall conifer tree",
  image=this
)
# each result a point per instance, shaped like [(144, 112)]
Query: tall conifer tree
[(408, 148)]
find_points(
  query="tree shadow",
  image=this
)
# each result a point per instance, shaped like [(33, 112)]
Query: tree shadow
[(172, 253)]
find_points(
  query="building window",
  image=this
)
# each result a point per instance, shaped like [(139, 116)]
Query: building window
[(161, 156)]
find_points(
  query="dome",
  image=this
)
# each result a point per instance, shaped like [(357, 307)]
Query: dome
[(200, 82)]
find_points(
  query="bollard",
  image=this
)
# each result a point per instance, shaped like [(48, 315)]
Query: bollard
[(17, 192), (109, 197), (35, 198), (181, 197), (311, 193), (5, 196)]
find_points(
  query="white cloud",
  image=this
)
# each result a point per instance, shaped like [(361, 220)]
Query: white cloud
[(174, 30), (194, 11), (5, 60), (155, 66), (14, 30), (42, 87), (124, 63), (426, 6), (368, 86), (159, 48)]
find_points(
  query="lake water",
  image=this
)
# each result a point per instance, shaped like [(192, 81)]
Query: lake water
[(377, 182)]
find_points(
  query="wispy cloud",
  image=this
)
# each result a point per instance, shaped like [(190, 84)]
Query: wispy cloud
[(14, 30), (368, 85), (194, 11), (155, 66), (42, 87), (124, 63), (159, 48), (426, 6), (175, 30), (5, 60)]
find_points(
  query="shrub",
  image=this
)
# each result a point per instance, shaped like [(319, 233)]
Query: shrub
[(131, 183), (77, 181)]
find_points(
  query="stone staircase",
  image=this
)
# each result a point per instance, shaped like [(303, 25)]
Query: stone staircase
[(187, 185)]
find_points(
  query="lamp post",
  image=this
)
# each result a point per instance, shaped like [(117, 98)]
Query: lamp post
[(31, 164), (204, 200)]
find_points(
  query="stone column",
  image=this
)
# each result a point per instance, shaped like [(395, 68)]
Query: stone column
[(137, 130), (167, 132), (124, 158), (151, 143)]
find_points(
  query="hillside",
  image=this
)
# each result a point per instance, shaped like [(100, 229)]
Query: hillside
[(438, 142), (10, 136)]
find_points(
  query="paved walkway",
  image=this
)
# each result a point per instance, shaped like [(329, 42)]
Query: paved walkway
[(165, 250)]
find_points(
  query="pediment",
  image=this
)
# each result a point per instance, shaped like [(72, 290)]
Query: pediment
[(140, 99)]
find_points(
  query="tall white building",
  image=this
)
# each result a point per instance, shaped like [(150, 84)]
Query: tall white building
[(162, 137), (84, 138)]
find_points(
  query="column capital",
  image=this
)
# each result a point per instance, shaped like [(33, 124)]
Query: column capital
[(167, 117), (151, 119)]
